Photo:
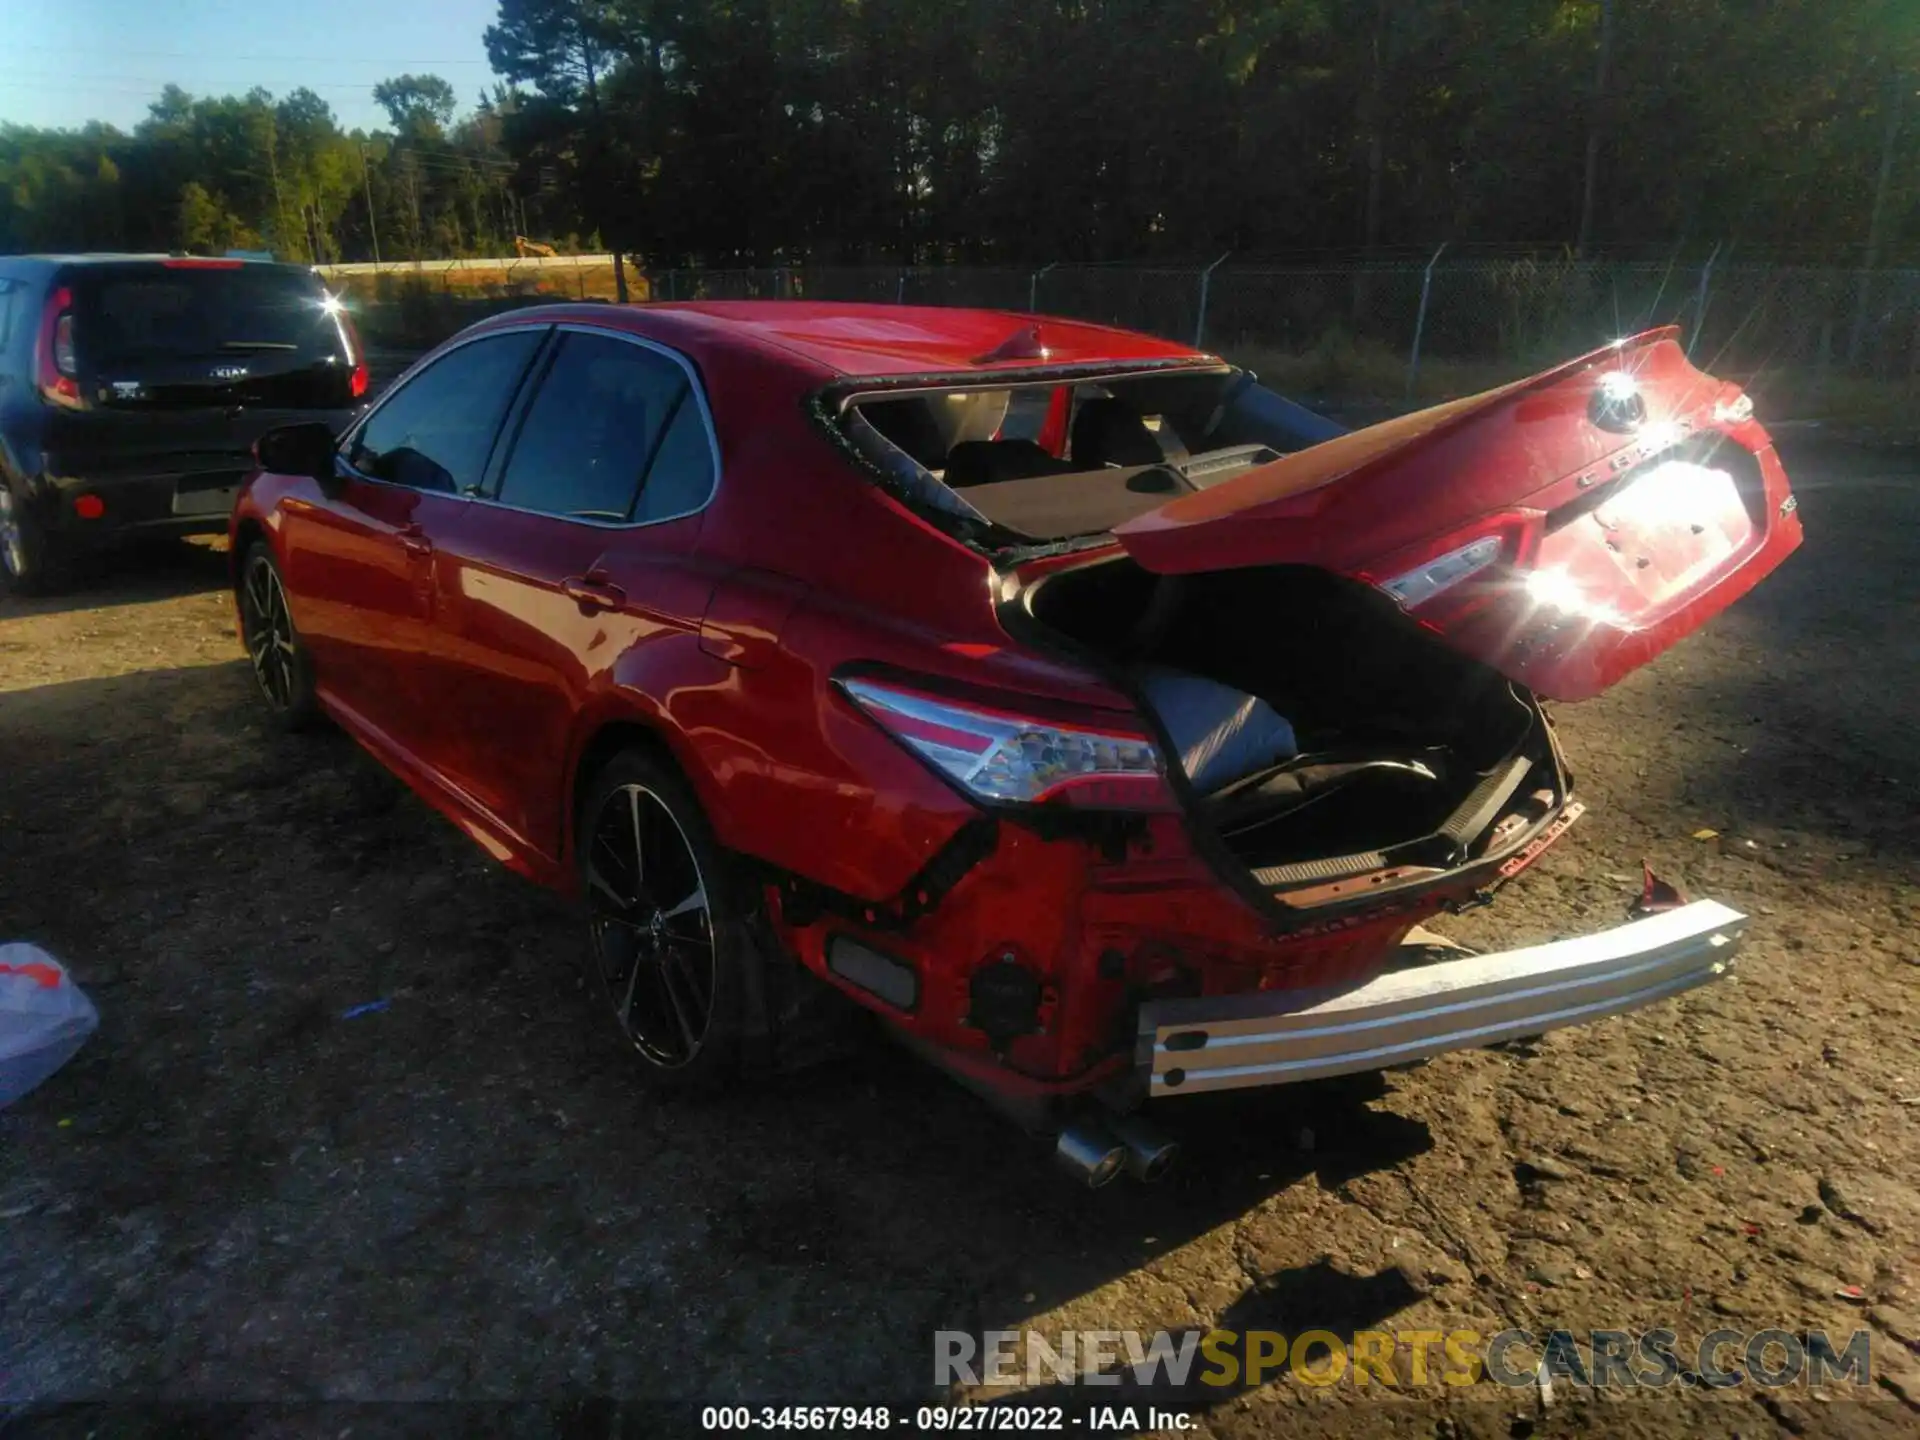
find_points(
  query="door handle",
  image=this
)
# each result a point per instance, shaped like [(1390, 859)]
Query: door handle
[(414, 541), (592, 593)]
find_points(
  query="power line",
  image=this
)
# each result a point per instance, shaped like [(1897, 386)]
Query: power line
[(307, 60), (65, 81), (66, 85), (451, 158)]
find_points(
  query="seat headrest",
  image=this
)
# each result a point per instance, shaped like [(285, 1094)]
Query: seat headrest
[(987, 462), (1107, 431)]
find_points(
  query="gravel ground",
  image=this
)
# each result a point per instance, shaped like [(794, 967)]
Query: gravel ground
[(234, 1193)]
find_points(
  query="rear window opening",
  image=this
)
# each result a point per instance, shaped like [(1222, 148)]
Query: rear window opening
[(1050, 460)]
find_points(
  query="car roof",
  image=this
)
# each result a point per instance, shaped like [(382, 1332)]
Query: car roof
[(875, 340)]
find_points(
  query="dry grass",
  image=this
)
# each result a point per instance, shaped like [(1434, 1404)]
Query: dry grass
[(589, 283), (1362, 370), (1843, 400)]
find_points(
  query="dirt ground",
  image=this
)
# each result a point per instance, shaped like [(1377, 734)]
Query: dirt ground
[(234, 1193)]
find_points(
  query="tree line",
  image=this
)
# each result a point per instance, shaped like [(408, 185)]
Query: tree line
[(912, 132), (209, 174)]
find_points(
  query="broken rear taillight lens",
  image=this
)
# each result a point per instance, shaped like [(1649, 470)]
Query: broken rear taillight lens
[(1735, 407), (1002, 757)]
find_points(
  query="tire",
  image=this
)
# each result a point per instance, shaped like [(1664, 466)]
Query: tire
[(282, 672), (670, 942), (26, 552)]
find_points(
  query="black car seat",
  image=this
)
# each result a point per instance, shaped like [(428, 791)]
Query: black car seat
[(986, 462), (910, 426), (1106, 432)]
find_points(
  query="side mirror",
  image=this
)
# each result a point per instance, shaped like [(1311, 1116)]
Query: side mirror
[(304, 449)]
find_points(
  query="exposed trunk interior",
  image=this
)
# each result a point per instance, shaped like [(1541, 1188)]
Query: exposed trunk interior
[(1407, 759)]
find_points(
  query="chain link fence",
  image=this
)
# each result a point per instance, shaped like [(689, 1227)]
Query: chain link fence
[(1425, 328), (1810, 340)]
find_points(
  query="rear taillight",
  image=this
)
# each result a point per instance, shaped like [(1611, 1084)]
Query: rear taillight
[(63, 344), (1002, 757), (1435, 583), (1413, 588), (350, 340), (56, 366), (1735, 407)]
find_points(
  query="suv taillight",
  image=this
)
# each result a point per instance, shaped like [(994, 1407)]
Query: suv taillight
[(349, 337), (56, 369)]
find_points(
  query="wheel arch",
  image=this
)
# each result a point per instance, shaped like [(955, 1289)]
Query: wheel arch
[(600, 741), (246, 531)]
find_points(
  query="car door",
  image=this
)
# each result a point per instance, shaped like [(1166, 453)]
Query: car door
[(360, 553), (581, 550)]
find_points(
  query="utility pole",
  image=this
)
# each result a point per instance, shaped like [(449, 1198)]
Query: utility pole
[(1595, 123), (413, 194), (372, 229), (279, 206), (1897, 84)]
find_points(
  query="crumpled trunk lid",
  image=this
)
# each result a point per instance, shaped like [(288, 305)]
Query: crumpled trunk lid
[(1564, 529)]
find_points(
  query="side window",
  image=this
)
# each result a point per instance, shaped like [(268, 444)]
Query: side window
[(603, 409), (681, 476), (436, 430)]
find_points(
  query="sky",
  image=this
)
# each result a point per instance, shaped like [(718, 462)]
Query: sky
[(65, 62)]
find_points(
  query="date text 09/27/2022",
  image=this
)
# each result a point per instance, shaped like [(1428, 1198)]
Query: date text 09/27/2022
[(1010, 1419)]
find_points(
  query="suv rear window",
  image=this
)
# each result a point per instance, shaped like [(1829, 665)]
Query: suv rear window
[(134, 315)]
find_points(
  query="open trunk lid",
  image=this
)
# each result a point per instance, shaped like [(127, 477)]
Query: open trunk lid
[(1564, 529)]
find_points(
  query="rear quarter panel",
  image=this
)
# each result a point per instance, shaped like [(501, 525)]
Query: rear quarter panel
[(817, 570)]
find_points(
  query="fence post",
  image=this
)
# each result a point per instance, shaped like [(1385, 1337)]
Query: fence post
[(1033, 287), (1420, 322), (900, 290), (1206, 280), (1700, 304)]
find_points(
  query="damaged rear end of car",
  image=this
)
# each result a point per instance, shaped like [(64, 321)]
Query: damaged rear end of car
[(1335, 646)]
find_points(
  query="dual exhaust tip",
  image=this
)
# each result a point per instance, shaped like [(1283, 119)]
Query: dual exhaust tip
[(1095, 1152)]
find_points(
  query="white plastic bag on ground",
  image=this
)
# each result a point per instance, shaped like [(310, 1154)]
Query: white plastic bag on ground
[(44, 1018)]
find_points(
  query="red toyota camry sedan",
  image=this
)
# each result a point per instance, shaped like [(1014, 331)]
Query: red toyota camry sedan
[(1099, 718)]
